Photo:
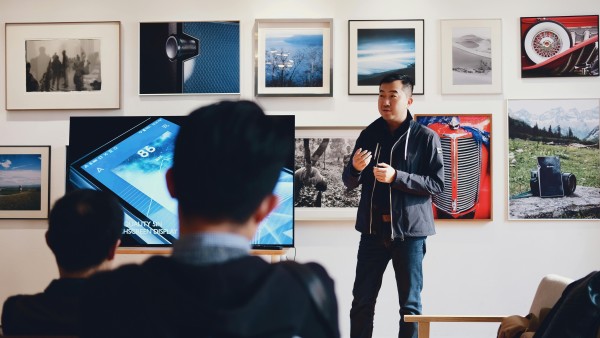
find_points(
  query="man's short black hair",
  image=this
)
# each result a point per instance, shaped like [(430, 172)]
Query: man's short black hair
[(407, 82), (82, 228), (227, 159)]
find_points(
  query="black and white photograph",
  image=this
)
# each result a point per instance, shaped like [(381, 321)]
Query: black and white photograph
[(553, 159), (471, 56), (320, 157), (63, 65)]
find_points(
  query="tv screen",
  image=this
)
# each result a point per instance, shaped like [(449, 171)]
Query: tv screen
[(128, 156)]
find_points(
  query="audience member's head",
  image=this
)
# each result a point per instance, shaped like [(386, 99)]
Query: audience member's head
[(84, 229), (227, 159)]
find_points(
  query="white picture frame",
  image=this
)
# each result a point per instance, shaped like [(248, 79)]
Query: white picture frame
[(471, 52), (100, 41), (533, 126), (289, 37), (24, 182)]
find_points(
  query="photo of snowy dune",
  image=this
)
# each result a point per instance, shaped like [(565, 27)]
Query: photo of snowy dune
[(471, 55)]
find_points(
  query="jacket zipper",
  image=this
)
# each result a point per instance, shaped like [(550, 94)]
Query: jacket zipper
[(377, 151), (390, 188)]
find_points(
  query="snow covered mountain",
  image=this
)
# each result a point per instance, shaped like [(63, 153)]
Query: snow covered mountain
[(582, 123)]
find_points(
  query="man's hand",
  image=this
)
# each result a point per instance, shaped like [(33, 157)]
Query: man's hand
[(383, 172), (361, 159)]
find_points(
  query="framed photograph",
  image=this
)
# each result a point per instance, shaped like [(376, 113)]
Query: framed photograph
[(320, 157), (471, 56), (190, 57), (293, 57), (553, 159), (555, 46), (378, 48), (467, 148), (24, 181), (71, 65)]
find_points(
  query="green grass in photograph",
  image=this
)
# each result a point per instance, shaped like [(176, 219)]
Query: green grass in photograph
[(584, 163)]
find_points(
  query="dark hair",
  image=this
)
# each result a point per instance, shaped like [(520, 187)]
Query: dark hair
[(82, 227), (227, 159), (407, 82)]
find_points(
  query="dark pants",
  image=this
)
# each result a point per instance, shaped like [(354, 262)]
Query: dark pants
[(374, 253)]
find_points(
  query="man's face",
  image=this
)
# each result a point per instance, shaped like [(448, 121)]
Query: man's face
[(393, 102)]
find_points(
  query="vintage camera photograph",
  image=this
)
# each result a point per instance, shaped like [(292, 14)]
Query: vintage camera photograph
[(553, 159)]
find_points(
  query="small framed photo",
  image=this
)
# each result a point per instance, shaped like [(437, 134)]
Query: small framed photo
[(467, 149), (553, 159), (293, 57), (381, 47), (320, 157), (71, 65), (189, 57), (24, 182), (471, 56), (556, 46)]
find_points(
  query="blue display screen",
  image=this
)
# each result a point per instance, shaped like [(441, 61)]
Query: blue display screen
[(133, 166)]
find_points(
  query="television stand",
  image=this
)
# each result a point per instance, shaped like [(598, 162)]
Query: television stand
[(274, 253)]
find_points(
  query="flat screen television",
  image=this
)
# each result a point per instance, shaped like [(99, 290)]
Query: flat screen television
[(128, 156)]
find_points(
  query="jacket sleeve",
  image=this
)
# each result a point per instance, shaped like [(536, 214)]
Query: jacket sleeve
[(8, 318), (430, 183), (351, 177)]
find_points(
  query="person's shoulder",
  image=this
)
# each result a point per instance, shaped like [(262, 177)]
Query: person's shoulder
[(127, 273), (19, 301), (17, 308), (373, 129), (304, 270), (317, 268), (374, 125), (424, 130)]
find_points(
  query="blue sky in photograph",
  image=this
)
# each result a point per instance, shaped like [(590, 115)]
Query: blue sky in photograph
[(293, 39), (381, 50), (20, 169)]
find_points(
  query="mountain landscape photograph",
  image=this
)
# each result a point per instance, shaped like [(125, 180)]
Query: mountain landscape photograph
[(566, 130)]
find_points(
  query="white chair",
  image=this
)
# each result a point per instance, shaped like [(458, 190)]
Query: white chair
[(548, 292)]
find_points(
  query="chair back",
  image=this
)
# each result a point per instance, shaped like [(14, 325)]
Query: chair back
[(548, 292)]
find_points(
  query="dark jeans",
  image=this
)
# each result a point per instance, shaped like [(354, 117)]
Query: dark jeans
[(374, 253)]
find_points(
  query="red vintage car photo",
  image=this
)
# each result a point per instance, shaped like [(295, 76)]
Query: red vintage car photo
[(466, 141), (559, 46)]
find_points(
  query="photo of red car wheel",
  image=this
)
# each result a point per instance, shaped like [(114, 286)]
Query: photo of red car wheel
[(546, 39)]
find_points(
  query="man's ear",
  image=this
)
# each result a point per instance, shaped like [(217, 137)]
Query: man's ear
[(410, 101), (266, 206), (170, 183), (113, 250)]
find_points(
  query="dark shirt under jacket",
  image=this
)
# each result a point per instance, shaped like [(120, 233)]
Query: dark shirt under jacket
[(52, 312), (381, 193)]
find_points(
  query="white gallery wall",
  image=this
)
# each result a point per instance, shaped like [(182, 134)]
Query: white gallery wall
[(471, 267)]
